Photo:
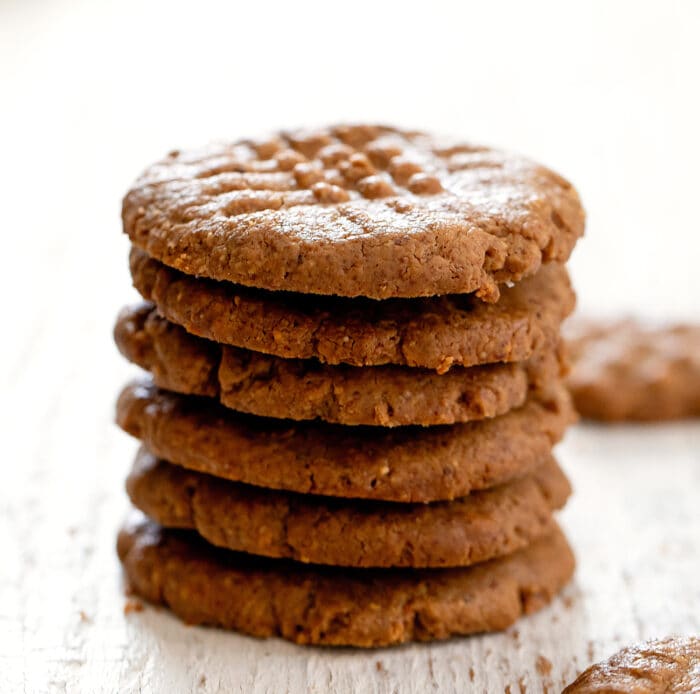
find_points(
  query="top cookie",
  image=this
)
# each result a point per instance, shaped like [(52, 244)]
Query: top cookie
[(354, 211)]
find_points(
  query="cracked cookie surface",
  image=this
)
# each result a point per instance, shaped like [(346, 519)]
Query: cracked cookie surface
[(354, 211)]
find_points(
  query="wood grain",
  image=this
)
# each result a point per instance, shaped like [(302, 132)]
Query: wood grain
[(632, 523)]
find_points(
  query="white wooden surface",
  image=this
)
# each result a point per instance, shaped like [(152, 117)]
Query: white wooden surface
[(91, 91)]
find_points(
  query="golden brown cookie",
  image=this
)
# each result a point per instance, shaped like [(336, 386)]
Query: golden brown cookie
[(667, 666), (434, 333), (629, 371), (354, 211), (337, 606), (322, 530), (306, 389), (404, 464)]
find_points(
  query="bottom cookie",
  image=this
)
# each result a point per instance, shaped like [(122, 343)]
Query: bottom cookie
[(337, 607)]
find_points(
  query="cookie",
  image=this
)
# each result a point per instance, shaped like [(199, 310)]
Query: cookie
[(306, 389), (655, 667), (405, 464), (354, 211), (321, 530), (434, 333), (626, 371), (337, 606), (177, 360)]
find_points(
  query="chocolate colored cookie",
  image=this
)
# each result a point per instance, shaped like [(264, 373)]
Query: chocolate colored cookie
[(434, 333), (354, 211), (628, 371), (306, 389), (668, 666), (333, 606), (405, 464), (321, 530)]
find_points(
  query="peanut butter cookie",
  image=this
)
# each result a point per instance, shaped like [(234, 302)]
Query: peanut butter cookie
[(337, 606), (354, 211), (321, 530)]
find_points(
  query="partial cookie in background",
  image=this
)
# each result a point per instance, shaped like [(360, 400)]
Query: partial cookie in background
[(629, 371), (303, 389), (434, 333), (337, 606), (668, 666), (402, 464), (354, 211), (322, 530)]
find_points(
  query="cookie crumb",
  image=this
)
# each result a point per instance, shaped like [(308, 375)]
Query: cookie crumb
[(202, 680), (84, 617), (471, 674), (132, 605), (379, 666), (543, 666), (590, 650)]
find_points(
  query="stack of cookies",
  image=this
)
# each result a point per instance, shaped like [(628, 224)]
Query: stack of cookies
[(355, 382)]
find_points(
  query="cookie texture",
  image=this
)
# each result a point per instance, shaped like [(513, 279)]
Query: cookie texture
[(306, 389), (434, 333), (322, 530), (403, 464), (666, 666), (332, 606), (354, 211), (626, 371)]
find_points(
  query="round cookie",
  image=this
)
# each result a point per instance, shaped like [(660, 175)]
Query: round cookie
[(354, 211), (626, 371), (434, 333), (333, 606), (306, 389), (321, 530), (176, 360), (667, 666), (403, 464)]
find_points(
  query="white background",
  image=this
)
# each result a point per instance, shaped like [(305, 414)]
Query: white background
[(90, 92)]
